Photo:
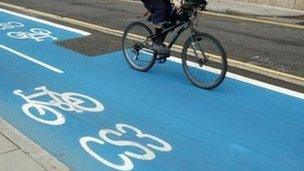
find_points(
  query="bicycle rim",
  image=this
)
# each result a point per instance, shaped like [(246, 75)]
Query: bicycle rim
[(136, 47), (204, 61)]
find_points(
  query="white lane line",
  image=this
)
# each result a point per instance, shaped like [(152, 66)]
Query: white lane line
[(251, 81), (84, 33), (241, 78), (49, 67), (266, 85)]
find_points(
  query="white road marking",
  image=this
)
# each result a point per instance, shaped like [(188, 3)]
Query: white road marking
[(242, 78), (49, 67), (252, 81), (84, 33)]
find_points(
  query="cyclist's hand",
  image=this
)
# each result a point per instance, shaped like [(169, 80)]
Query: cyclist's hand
[(177, 4), (147, 14)]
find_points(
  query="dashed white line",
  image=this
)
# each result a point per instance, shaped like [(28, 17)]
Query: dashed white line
[(49, 67)]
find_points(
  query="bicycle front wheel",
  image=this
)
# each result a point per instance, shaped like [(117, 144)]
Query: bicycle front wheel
[(204, 61), (137, 47)]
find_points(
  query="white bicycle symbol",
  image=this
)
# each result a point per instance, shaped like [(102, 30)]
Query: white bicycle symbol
[(37, 34), (10, 25), (68, 101)]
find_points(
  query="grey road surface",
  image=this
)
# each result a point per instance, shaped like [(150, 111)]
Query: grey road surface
[(277, 47)]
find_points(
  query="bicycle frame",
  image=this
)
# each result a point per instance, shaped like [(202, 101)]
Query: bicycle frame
[(183, 26), (195, 53)]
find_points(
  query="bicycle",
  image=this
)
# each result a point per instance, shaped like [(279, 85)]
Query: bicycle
[(10, 25), (67, 101), (37, 34), (205, 67)]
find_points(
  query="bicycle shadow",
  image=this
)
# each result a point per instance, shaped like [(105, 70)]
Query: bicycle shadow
[(172, 72)]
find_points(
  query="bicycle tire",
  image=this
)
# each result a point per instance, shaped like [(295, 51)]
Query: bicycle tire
[(127, 32), (222, 57)]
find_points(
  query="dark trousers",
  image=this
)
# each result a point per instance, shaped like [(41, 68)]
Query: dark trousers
[(160, 10)]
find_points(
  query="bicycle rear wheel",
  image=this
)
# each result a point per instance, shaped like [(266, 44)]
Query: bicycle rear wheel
[(137, 47), (204, 61)]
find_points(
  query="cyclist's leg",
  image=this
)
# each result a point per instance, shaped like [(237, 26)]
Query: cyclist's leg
[(160, 16), (159, 45)]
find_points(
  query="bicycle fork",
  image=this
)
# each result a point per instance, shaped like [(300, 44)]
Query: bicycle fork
[(196, 47)]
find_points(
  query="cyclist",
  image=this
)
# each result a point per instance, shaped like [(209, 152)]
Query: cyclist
[(161, 11)]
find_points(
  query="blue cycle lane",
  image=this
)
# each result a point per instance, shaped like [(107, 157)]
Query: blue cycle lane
[(98, 114)]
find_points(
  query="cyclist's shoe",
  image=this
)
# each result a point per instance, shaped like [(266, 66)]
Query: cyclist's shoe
[(161, 49), (161, 60)]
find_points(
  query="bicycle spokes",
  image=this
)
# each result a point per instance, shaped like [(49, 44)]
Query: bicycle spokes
[(136, 47), (204, 61)]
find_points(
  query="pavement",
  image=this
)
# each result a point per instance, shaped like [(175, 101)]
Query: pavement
[(266, 12), (13, 158), (242, 8), (21, 156), (257, 11), (19, 153)]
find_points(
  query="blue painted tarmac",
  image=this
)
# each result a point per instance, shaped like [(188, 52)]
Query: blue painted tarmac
[(237, 126)]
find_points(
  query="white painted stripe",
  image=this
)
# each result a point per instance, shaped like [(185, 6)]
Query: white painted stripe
[(266, 85), (242, 78), (84, 33), (54, 69), (253, 82)]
